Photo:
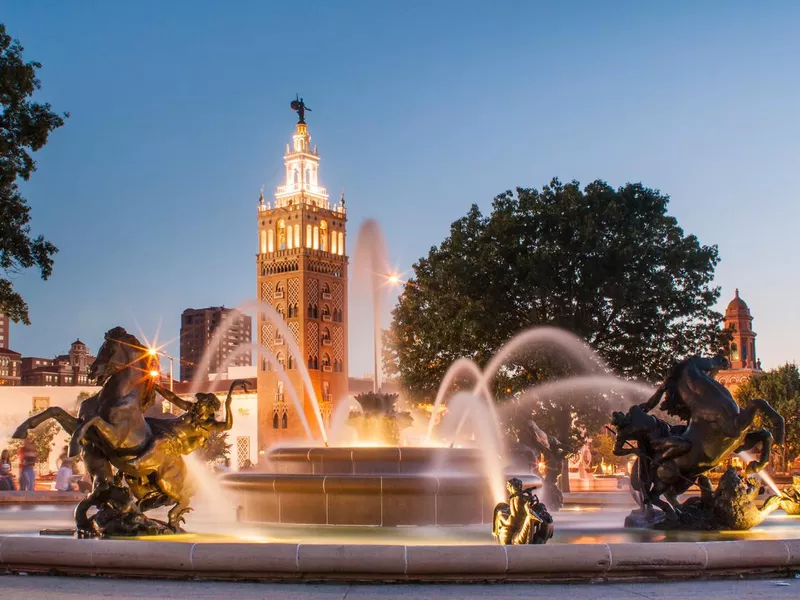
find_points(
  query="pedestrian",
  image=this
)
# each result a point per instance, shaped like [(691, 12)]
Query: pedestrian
[(27, 480), (6, 478), (64, 475)]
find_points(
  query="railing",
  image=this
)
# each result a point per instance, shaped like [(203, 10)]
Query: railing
[(327, 296), (278, 294), (327, 342), (327, 318), (327, 368), (291, 188)]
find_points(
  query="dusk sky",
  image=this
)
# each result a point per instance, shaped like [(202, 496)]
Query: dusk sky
[(180, 113)]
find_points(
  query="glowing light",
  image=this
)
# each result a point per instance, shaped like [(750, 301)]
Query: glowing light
[(154, 374), (393, 279), (152, 351)]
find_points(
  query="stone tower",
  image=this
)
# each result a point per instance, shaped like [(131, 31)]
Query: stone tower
[(302, 273), (744, 363)]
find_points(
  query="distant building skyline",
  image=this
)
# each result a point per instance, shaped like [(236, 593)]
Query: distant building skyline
[(198, 327)]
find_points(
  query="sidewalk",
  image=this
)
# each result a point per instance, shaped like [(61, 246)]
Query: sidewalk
[(43, 587)]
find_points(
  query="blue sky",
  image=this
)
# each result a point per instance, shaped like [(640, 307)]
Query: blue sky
[(180, 114)]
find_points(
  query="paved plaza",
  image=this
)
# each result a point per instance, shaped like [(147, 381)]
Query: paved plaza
[(85, 588)]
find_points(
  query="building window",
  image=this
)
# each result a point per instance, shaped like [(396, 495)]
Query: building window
[(323, 236), (285, 420), (262, 241), (296, 235), (734, 351), (242, 451), (281, 235), (334, 245), (270, 241), (316, 238), (275, 419), (308, 236), (341, 243)]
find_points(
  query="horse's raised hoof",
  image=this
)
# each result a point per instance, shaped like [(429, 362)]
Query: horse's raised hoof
[(21, 433)]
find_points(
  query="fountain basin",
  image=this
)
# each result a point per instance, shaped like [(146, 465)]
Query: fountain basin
[(369, 459), (372, 486)]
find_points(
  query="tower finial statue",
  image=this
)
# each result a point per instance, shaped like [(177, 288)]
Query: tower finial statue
[(300, 108)]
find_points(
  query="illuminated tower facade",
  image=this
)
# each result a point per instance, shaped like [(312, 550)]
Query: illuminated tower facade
[(744, 363), (302, 273)]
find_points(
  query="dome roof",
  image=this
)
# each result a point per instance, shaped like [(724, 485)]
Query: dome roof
[(737, 304)]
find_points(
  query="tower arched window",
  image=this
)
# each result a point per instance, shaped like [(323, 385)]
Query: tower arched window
[(334, 245), (308, 236), (341, 243), (326, 360), (326, 334), (290, 361), (282, 362), (744, 353), (296, 235), (310, 361), (315, 312), (323, 236), (275, 419), (279, 308), (326, 289), (734, 351), (316, 238), (296, 176), (308, 176), (270, 241), (285, 420), (262, 242), (326, 312), (281, 235)]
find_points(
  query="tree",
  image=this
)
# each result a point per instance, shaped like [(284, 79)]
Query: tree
[(42, 437), (781, 388), (216, 447), (25, 126), (609, 265)]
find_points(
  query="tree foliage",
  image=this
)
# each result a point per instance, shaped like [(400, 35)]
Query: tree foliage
[(216, 447), (25, 126), (42, 438), (781, 388), (608, 264)]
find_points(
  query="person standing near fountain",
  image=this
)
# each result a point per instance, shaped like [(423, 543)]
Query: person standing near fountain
[(28, 457)]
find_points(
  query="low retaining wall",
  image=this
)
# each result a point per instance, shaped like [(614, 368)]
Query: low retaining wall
[(309, 562), (11, 498)]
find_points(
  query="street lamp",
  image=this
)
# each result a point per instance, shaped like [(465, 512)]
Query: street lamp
[(157, 352)]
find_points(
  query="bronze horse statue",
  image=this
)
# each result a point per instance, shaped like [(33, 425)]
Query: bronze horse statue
[(122, 368), (715, 428)]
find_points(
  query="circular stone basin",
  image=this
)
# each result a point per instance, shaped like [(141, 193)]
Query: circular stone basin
[(381, 486)]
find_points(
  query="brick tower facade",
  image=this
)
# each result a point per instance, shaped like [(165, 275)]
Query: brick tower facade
[(742, 356), (302, 273)]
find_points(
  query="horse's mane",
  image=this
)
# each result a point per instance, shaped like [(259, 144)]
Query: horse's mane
[(148, 362)]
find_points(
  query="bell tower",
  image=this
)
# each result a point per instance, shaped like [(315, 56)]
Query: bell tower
[(742, 355), (302, 272)]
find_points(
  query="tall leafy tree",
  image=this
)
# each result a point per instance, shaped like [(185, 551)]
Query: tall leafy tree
[(25, 126), (781, 387), (610, 265)]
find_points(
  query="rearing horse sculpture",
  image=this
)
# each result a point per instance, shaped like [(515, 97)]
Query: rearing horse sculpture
[(717, 427), (122, 368)]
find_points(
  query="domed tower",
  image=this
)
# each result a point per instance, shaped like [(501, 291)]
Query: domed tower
[(742, 356)]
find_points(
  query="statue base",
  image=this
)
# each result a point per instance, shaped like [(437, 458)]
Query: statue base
[(732, 506)]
